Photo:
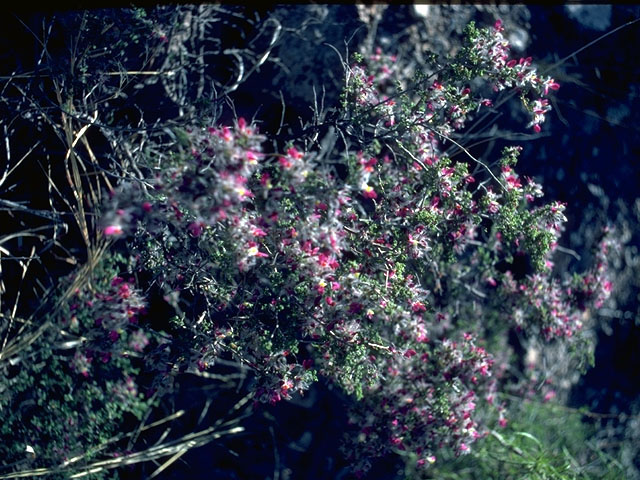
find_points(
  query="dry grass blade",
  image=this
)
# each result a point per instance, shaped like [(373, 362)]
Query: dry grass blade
[(96, 194), (9, 170), (25, 233), (168, 463), (122, 436), (2, 287), (73, 174), (25, 267), (174, 447), (24, 263)]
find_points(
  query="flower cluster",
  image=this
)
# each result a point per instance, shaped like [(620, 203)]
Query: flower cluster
[(592, 289), (427, 401), (369, 100), (108, 321), (489, 51)]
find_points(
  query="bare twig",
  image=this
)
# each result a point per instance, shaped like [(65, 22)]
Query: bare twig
[(480, 162)]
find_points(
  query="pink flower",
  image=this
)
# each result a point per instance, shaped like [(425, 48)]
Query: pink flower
[(285, 162), (294, 153), (368, 165), (225, 134), (113, 230), (369, 192), (252, 157), (550, 84), (124, 291), (258, 232), (395, 440), (418, 307), (325, 260), (253, 251), (265, 180), (196, 228)]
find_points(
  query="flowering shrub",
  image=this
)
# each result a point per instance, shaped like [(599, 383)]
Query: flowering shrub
[(391, 268)]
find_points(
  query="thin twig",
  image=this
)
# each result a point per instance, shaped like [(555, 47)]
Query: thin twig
[(470, 156)]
